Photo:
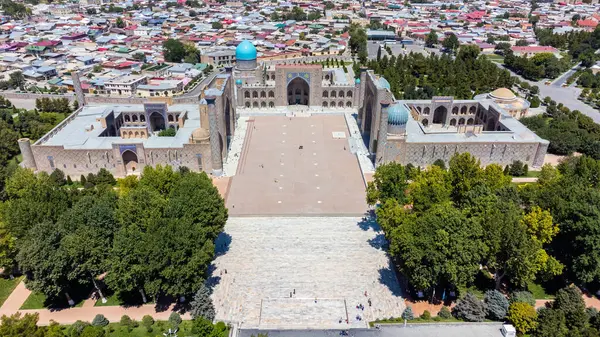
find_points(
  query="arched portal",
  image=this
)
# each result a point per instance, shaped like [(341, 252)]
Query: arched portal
[(157, 121), (439, 115), (130, 160), (298, 92)]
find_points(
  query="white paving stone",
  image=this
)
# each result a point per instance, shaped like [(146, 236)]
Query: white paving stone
[(235, 148), (335, 259), (357, 145)]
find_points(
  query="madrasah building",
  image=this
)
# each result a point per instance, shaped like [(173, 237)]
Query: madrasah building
[(124, 138)]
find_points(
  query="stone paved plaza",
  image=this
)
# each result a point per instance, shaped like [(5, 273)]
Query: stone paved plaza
[(295, 166), (334, 260)]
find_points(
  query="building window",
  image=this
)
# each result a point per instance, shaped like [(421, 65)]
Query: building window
[(247, 94), (263, 94), (51, 162), (325, 94), (324, 104), (341, 94), (333, 94), (247, 104), (255, 94), (349, 93), (271, 94)]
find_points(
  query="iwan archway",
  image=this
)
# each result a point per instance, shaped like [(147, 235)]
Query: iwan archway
[(298, 92)]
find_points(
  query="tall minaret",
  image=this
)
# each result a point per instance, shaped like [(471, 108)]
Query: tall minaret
[(79, 96)]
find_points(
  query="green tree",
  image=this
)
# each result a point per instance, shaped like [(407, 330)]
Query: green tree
[(147, 322), (438, 246), (217, 25), (497, 305), (470, 309), (175, 320), (58, 177), (522, 296), (18, 326), (431, 39), (550, 323), (389, 182), (202, 305), (407, 314), (522, 316), (100, 320), (173, 50), (570, 302), (431, 187), (120, 23), (17, 79), (465, 172), (104, 177), (88, 229), (41, 258), (451, 43)]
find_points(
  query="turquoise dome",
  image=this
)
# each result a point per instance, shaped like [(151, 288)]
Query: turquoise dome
[(245, 51), (384, 83), (357, 81), (397, 114), (238, 82)]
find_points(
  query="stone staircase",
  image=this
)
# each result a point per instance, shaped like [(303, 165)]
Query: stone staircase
[(320, 257)]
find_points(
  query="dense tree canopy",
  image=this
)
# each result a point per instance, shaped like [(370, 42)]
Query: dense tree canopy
[(415, 76), (443, 224), (157, 235)]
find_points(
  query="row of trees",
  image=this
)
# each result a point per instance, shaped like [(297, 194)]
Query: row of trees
[(60, 105), (156, 237), (568, 131), (469, 216), (26, 325), (565, 316), (296, 14), (415, 76), (543, 65), (358, 43), (580, 44)]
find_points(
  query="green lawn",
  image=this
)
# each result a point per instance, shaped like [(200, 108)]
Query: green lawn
[(7, 286), (38, 301), (495, 58), (538, 291), (113, 299)]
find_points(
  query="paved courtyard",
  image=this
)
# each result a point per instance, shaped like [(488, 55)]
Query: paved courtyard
[(330, 262), (295, 166)]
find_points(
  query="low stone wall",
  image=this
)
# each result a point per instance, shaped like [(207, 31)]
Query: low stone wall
[(14, 95)]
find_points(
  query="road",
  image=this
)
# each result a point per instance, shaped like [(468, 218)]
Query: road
[(567, 96), (558, 82)]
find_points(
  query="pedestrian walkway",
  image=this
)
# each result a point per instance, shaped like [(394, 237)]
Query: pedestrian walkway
[(86, 312)]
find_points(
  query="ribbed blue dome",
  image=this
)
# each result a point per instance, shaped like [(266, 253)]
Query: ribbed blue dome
[(384, 83), (245, 51), (357, 81), (238, 82), (397, 114)]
